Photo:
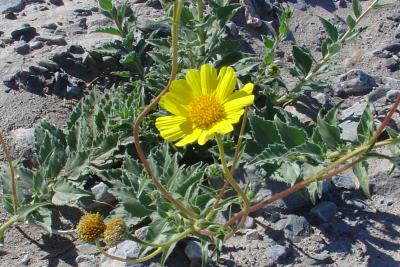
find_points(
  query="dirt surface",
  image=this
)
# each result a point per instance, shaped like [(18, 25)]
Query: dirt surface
[(368, 236)]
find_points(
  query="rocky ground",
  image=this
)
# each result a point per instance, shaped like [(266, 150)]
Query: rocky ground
[(50, 61)]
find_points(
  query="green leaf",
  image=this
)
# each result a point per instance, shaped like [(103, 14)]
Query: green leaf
[(351, 22), (330, 29), (357, 8), (264, 132), (225, 13), (106, 5), (291, 136), (361, 171), (109, 30), (325, 46), (303, 59), (65, 193), (366, 127)]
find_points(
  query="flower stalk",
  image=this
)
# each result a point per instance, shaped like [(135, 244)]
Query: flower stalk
[(12, 173)]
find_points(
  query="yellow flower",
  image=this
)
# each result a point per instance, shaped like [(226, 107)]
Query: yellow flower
[(115, 232), (90, 227), (202, 105)]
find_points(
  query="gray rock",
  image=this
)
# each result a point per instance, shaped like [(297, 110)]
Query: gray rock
[(319, 259), (325, 100), (49, 40), (344, 182), (355, 82), (300, 5), (88, 60), (50, 26), (34, 84), (249, 223), (25, 260), (26, 32), (397, 33), (22, 141), (276, 254), (392, 64), (378, 93), (324, 212), (232, 29), (393, 47), (11, 6), (354, 112), (360, 205), (142, 232), (49, 64), (84, 259), (21, 47), (193, 251), (349, 130), (126, 249), (36, 45), (76, 49), (87, 249), (295, 227), (392, 95), (10, 82), (73, 67), (253, 234), (73, 90), (100, 193)]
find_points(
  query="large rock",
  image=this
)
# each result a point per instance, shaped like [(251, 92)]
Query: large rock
[(355, 82), (126, 249), (276, 254), (295, 227), (324, 212), (11, 6)]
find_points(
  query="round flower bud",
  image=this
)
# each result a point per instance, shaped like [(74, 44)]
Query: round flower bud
[(90, 227), (116, 231)]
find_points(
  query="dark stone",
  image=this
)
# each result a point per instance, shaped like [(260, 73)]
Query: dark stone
[(38, 69), (382, 53), (60, 83), (49, 64), (393, 47), (57, 2), (73, 90), (109, 62), (324, 212), (11, 6), (83, 12), (34, 84), (60, 55), (21, 47), (11, 16), (82, 23), (343, 3), (392, 64), (232, 29), (26, 32), (59, 40), (295, 227), (36, 45), (74, 68), (50, 26), (10, 82), (397, 33), (76, 49), (378, 93), (264, 6)]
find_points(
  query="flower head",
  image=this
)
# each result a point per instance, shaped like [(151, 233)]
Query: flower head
[(115, 232), (90, 227), (202, 105)]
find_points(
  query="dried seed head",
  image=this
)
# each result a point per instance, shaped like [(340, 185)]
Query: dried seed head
[(116, 231), (90, 227)]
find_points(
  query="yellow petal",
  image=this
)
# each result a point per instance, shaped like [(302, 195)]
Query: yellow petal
[(234, 117), (226, 83), (204, 137), (169, 127), (181, 91), (248, 88), (222, 127), (238, 103), (171, 104), (208, 77), (189, 138), (194, 81)]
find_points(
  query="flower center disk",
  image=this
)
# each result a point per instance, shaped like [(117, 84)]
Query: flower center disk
[(205, 111)]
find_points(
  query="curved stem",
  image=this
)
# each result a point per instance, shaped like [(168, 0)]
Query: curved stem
[(13, 183), (175, 30), (318, 176), (137, 260), (167, 243), (231, 180)]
